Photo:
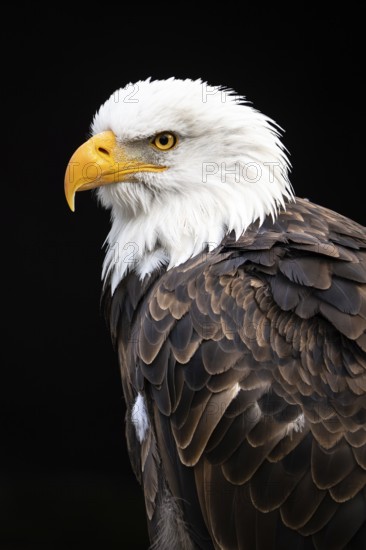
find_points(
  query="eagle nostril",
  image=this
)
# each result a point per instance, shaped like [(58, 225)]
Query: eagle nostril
[(103, 151)]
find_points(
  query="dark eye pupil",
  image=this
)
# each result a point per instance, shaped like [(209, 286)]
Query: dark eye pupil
[(164, 139)]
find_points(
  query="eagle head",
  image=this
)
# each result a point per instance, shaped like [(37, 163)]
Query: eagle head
[(180, 164)]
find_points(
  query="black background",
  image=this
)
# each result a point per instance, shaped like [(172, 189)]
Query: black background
[(65, 478)]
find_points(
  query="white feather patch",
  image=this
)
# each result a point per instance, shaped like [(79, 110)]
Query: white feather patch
[(140, 417), (297, 425)]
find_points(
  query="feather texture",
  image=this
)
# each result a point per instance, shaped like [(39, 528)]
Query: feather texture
[(252, 363)]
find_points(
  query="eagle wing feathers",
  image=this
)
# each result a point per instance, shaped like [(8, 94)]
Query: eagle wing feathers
[(252, 362)]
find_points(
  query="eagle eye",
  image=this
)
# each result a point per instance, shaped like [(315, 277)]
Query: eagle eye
[(164, 141)]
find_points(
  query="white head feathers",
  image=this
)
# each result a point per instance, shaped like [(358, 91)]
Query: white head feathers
[(228, 170)]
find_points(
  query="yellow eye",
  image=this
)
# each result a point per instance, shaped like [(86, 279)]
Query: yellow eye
[(164, 141)]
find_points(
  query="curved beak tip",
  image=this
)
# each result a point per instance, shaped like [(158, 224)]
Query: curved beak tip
[(70, 197)]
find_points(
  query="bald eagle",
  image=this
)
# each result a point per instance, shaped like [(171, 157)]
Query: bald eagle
[(239, 314)]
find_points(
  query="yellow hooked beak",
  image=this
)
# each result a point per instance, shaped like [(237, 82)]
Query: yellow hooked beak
[(101, 161)]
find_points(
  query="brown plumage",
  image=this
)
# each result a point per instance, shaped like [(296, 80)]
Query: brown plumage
[(252, 363)]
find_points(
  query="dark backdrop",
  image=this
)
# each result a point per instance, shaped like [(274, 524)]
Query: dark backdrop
[(65, 478)]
